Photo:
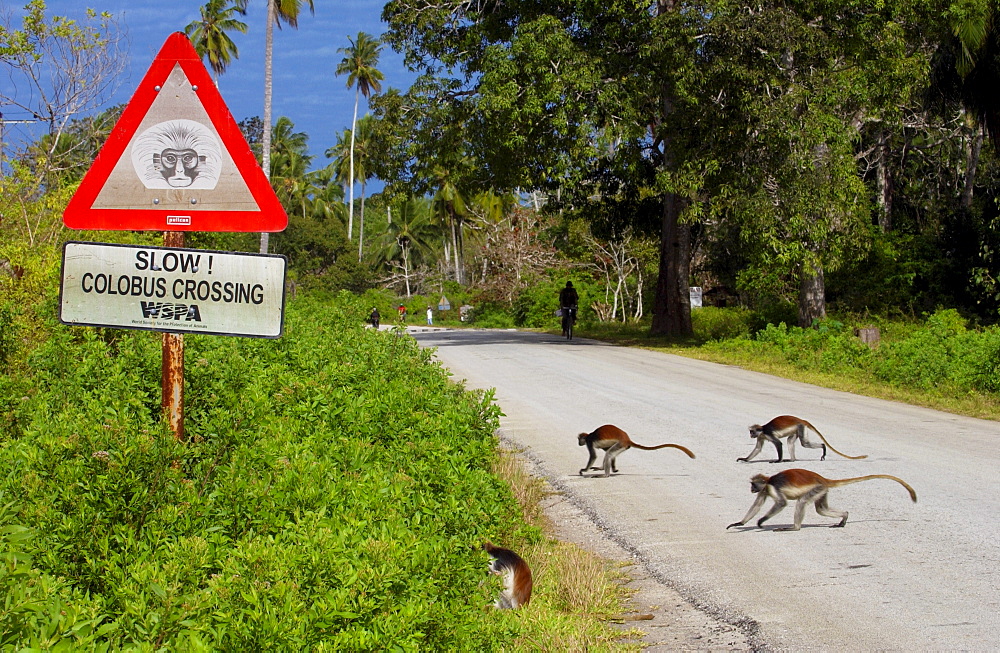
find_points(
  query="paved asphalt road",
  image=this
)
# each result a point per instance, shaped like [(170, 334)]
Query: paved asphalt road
[(899, 576)]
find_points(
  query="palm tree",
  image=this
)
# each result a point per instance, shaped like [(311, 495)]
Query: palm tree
[(410, 232), (327, 196), (210, 38), (290, 163), (966, 71), (979, 66), (449, 204), (359, 66), (286, 11)]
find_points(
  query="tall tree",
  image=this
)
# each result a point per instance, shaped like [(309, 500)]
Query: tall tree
[(803, 79), (551, 95), (278, 12), (359, 65), (449, 205), (210, 35)]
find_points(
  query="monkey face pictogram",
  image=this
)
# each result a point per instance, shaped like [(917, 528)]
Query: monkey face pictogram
[(177, 154), (178, 167)]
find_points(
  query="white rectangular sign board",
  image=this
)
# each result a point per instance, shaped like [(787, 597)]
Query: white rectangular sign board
[(171, 289)]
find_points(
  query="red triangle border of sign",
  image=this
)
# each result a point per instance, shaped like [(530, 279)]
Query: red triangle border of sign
[(177, 50)]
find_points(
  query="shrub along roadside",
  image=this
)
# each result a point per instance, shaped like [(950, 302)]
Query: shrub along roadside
[(940, 363), (330, 497)]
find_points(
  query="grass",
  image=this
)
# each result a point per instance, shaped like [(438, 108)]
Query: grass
[(577, 594)]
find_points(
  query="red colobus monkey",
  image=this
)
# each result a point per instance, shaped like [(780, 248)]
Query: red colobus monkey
[(793, 428), (614, 441), (516, 576), (805, 487)]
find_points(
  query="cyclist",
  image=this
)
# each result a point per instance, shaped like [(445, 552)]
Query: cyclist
[(568, 300)]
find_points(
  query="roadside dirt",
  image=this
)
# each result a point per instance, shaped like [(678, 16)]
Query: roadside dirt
[(678, 623)]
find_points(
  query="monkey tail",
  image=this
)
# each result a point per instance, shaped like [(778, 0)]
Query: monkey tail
[(839, 453), (846, 481), (661, 446)]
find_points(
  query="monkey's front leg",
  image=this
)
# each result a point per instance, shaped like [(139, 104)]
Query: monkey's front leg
[(779, 504), (753, 454), (590, 460), (777, 445), (754, 509)]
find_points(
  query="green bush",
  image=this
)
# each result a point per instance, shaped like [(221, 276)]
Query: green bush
[(944, 350), (941, 352), (711, 323), (328, 496), (926, 358)]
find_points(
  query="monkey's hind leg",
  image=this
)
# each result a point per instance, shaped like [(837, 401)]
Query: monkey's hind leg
[(811, 445), (824, 509), (816, 495), (609, 458)]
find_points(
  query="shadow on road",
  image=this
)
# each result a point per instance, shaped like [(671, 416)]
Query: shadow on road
[(471, 337)]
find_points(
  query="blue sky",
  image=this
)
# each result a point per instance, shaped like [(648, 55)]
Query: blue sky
[(306, 89)]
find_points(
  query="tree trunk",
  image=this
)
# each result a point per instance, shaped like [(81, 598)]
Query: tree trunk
[(973, 149), (350, 174), (454, 241), (883, 181), (268, 86), (672, 303), (406, 269), (812, 295), (461, 250), (361, 226)]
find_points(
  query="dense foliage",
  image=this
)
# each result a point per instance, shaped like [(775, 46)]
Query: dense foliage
[(792, 150), (329, 495)]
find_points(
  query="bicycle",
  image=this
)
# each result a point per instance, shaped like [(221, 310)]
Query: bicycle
[(568, 318)]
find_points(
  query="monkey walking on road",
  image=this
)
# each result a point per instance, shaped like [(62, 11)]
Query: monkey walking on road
[(793, 428), (614, 441), (806, 487), (516, 577)]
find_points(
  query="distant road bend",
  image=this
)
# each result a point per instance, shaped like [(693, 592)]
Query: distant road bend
[(923, 576)]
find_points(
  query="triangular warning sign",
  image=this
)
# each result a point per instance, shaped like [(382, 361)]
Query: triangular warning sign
[(176, 160)]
